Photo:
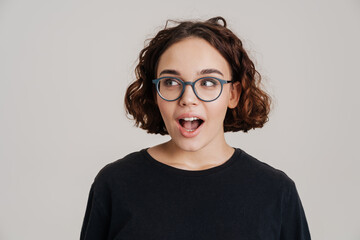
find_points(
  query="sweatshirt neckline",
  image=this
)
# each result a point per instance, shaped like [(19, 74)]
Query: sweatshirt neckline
[(180, 171)]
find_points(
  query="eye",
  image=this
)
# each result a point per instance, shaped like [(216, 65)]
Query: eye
[(209, 82), (170, 82)]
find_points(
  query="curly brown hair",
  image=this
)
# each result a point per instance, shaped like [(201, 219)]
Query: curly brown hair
[(254, 104)]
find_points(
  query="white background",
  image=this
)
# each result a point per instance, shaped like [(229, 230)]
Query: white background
[(64, 68)]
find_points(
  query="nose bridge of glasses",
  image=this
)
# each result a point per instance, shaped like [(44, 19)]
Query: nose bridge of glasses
[(191, 85), (188, 83), (192, 88)]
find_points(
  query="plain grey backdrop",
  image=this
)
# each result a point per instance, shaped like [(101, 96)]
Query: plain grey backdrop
[(65, 66)]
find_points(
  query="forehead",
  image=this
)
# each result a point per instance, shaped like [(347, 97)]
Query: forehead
[(192, 55)]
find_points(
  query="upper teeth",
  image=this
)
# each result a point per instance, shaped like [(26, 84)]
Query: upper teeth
[(191, 119)]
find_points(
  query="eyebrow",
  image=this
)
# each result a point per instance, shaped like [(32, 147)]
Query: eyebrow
[(202, 72), (210, 70), (170, 71)]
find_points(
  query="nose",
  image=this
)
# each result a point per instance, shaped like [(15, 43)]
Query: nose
[(188, 97)]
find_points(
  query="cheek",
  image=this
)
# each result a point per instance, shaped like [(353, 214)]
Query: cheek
[(165, 109), (218, 111)]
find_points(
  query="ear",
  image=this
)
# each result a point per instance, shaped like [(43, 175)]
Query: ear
[(235, 93)]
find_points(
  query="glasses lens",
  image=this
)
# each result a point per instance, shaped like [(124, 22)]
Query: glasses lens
[(208, 89), (170, 88)]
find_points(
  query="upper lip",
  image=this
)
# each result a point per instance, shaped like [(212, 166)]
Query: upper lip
[(189, 115)]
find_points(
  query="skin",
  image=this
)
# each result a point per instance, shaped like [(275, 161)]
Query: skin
[(190, 59)]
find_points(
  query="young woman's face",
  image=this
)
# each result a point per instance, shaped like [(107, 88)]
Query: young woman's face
[(193, 124)]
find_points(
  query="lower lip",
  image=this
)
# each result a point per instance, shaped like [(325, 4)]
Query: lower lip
[(189, 134)]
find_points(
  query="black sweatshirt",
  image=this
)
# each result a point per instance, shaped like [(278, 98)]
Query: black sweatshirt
[(138, 197)]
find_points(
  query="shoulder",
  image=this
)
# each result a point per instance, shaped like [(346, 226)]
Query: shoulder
[(264, 173), (271, 188), (121, 169)]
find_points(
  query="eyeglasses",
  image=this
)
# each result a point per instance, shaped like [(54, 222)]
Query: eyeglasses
[(207, 89)]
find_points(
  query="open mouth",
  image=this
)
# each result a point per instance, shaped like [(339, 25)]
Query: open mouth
[(190, 124)]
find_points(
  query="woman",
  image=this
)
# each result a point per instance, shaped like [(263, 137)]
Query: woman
[(194, 82)]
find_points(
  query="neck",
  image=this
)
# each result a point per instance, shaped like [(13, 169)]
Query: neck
[(209, 156)]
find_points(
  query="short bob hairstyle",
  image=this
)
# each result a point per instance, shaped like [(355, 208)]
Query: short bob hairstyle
[(254, 104)]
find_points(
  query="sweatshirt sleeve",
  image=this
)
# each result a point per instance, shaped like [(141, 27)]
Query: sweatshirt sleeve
[(294, 224), (96, 220)]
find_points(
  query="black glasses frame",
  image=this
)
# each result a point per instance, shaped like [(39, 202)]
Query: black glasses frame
[(192, 84)]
